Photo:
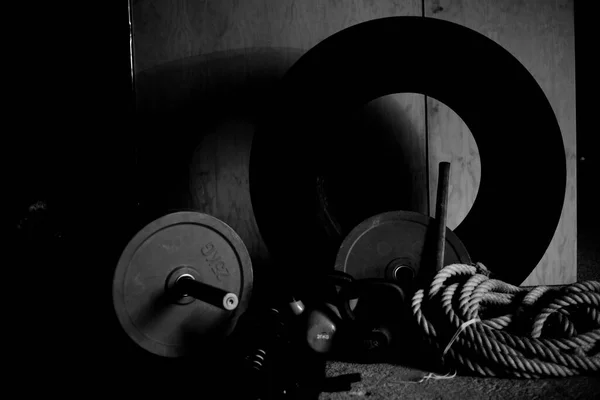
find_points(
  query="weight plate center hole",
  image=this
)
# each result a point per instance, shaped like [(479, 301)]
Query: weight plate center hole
[(403, 273), (184, 276), (174, 288)]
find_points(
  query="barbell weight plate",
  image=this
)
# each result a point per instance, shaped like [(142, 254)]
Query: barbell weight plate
[(182, 242), (404, 237)]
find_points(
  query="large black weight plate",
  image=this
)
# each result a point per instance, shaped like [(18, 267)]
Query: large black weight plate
[(398, 235), (523, 164), (208, 249)]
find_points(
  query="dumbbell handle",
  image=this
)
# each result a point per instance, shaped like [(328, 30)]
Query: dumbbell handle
[(186, 285)]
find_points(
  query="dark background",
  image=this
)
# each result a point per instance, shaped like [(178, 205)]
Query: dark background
[(588, 139), (71, 147)]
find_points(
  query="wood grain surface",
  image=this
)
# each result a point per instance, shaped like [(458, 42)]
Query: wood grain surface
[(208, 106), (402, 117), (167, 30), (217, 59), (220, 185), (451, 140), (222, 54), (540, 34)]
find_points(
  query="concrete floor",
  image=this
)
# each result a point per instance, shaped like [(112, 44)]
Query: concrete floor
[(385, 381)]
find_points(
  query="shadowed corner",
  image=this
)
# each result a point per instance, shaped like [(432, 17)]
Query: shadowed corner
[(207, 344), (204, 358), (366, 165), (199, 101), (180, 102), (203, 110), (212, 356), (195, 123)]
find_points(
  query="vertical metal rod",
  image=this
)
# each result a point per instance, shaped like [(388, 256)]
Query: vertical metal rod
[(441, 212)]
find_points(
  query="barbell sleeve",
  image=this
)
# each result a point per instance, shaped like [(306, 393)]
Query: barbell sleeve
[(186, 285)]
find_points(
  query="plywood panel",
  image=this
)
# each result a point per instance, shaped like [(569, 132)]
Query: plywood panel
[(451, 140), (167, 30), (401, 116), (217, 60), (207, 106), (540, 34), (220, 184)]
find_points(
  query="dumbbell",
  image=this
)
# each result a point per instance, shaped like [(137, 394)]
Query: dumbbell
[(337, 326)]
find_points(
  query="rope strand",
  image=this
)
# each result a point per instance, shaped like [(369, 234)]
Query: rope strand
[(505, 330)]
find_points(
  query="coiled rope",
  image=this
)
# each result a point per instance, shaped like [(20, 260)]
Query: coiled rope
[(491, 328)]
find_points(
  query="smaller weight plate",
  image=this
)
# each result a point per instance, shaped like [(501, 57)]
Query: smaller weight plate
[(398, 235), (189, 242)]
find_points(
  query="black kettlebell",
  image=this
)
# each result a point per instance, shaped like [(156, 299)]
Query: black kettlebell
[(359, 321)]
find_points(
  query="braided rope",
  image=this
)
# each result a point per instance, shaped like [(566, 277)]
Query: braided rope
[(505, 330)]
